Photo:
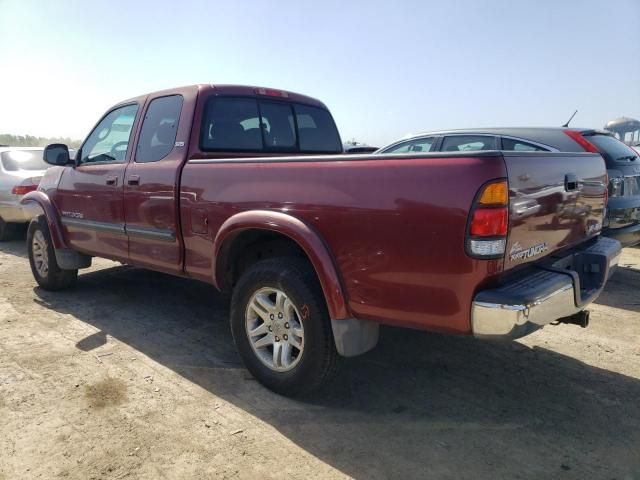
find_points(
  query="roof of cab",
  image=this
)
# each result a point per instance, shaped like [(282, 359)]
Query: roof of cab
[(234, 90)]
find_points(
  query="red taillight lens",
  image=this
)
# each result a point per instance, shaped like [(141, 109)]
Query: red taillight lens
[(583, 142), (489, 222), (23, 189)]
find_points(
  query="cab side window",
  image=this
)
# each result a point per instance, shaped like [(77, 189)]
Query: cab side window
[(159, 129), (464, 143), (108, 142)]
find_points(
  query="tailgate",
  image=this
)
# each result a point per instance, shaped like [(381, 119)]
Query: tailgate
[(556, 200)]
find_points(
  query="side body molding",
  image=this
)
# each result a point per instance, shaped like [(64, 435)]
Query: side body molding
[(42, 200), (300, 233)]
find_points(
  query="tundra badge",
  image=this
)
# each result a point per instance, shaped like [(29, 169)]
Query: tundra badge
[(519, 253)]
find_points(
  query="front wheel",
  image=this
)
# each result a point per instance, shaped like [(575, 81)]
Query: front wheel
[(42, 258), (281, 327)]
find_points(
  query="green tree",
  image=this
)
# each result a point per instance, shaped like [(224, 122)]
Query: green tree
[(31, 141)]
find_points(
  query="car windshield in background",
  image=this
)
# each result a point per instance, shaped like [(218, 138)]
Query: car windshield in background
[(613, 149), (15, 160), (247, 124)]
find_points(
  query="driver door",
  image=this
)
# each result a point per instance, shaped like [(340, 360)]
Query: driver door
[(90, 195)]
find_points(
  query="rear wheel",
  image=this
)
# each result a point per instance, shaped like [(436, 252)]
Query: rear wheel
[(281, 327), (42, 258)]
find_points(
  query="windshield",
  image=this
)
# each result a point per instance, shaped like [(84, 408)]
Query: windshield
[(15, 160), (613, 149)]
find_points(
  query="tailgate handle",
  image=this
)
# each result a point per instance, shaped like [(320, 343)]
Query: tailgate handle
[(570, 182)]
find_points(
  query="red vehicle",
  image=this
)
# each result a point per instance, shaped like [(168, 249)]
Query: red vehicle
[(246, 188)]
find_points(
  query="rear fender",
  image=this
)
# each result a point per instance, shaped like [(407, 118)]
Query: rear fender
[(299, 232)]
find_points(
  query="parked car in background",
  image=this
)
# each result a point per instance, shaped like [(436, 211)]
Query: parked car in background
[(623, 162), (216, 183), (21, 169), (357, 147)]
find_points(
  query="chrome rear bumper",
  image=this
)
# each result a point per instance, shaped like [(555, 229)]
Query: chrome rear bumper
[(545, 293)]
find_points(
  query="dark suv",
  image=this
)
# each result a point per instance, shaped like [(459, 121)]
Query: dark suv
[(623, 162)]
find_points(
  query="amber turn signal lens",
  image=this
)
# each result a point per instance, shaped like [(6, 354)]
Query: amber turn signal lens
[(495, 194)]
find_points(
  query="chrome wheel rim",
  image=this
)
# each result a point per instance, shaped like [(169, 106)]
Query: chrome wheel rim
[(40, 254), (274, 329)]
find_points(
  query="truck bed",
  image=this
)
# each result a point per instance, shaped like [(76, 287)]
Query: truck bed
[(394, 224)]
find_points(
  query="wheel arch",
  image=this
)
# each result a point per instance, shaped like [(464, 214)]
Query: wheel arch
[(42, 205), (269, 226)]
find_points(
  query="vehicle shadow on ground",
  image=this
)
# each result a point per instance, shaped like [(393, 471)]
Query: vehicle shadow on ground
[(419, 405), (622, 290), (16, 247)]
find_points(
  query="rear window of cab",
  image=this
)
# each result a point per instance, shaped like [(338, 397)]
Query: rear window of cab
[(254, 125)]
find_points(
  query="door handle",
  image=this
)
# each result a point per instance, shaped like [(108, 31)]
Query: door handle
[(112, 180), (134, 180)]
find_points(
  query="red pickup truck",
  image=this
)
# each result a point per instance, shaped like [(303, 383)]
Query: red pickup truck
[(247, 189)]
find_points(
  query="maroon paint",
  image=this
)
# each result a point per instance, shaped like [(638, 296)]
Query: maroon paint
[(394, 227)]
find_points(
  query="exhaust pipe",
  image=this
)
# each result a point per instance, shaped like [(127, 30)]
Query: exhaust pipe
[(580, 318)]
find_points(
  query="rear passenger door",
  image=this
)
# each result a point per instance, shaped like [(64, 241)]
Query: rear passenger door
[(151, 184)]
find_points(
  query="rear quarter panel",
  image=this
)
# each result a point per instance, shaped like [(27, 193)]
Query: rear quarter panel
[(394, 225)]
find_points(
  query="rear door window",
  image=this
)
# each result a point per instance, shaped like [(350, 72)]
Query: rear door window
[(464, 143), (512, 144), (415, 145), (159, 129)]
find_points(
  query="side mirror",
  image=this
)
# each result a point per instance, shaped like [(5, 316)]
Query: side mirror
[(57, 154)]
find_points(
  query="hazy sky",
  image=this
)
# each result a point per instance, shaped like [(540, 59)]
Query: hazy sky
[(385, 69)]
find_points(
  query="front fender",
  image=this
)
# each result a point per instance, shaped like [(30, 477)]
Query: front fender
[(43, 201), (299, 232)]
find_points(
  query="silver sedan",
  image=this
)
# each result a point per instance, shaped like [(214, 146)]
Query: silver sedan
[(21, 169)]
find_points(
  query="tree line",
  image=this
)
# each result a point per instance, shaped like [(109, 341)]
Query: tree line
[(31, 141)]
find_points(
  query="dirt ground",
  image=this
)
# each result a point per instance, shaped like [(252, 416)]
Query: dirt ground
[(133, 375)]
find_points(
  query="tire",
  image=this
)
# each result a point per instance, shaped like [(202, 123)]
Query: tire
[(7, 231), (293, 371), (42, 258)]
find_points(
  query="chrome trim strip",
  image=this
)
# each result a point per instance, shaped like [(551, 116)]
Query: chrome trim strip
[(141, 232), (342, 157), (151, 233), (100, 226)]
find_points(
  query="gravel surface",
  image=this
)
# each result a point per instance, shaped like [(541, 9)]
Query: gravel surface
[(133, 374)]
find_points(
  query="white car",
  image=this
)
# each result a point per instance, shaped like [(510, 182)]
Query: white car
[(21, 169)]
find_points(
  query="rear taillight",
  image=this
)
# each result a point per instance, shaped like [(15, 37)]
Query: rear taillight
[(23, 189), (583, 142), (489, 222)]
